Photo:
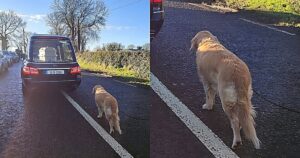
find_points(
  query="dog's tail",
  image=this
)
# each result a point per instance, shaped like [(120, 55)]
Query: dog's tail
[(246, 116), (116, 121)]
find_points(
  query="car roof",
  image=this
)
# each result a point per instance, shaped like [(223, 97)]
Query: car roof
[(48, 36)]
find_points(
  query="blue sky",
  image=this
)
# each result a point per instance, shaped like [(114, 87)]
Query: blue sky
[(127, 23)]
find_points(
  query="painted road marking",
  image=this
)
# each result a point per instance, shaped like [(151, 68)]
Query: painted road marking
[(212, 142), (269, 27), (107, 137)]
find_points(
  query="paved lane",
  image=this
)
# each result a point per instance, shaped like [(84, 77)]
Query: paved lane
[(45, 124), (169, 137)]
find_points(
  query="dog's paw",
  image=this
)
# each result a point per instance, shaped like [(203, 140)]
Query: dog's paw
[(235, 145), (111, 131), (207, 107), (99, 116), (120, 132)]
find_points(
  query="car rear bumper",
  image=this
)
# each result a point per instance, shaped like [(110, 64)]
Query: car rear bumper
[(30, 83)]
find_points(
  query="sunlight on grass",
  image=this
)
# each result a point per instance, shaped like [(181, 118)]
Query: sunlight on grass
[(124, 72), (271, 5), (275, 12)]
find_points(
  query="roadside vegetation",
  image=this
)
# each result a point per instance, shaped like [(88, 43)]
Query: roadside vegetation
[(274, 12), (132, 65)]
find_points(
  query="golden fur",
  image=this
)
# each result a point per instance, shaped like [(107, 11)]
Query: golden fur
[(108, 104), (224, 73)]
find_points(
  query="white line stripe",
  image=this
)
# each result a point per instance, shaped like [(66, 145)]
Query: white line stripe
[(212, 142), (107, 137), (269, 27)]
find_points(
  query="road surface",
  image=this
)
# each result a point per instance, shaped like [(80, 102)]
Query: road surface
[(45, 123), (273, 59)]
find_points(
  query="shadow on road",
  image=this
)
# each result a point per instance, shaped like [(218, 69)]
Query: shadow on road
[(51, 127)]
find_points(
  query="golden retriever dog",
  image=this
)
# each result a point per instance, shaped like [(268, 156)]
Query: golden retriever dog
[(222, 72), (108, 105)]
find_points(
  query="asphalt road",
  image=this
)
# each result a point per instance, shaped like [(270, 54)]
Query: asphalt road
[(45, 124), (273, 59)]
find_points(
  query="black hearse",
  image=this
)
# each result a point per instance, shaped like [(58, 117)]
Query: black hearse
[(50, 62)]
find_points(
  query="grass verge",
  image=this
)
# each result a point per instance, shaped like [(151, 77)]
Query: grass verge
[(272, 12), (124, 67)]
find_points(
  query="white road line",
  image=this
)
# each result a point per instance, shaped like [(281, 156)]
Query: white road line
[(212, 142), (269, 27), (107, 137)]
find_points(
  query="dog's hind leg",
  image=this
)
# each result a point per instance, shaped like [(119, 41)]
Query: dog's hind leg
[(228, 97), (231, 112), (210, 93), (235, 125), (111, 126), (100, 111), (109, 118), (117, 124)]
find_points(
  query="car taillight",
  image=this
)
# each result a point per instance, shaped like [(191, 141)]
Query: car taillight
[(27, 70), (156, 1), (157, 6), (75, 70)]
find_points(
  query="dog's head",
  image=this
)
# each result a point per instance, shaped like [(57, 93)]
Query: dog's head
[(201, 37), (97, 87)]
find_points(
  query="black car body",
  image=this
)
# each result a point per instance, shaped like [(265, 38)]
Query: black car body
[(51, 62), (156, 16)]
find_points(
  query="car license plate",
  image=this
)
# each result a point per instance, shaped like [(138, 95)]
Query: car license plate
[(55, 72)]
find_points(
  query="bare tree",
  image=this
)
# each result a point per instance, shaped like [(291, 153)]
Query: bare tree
[(56, 24), (21, 38), (25, 40), (91, 17), (65, 12), (9, 23), (82, 18)]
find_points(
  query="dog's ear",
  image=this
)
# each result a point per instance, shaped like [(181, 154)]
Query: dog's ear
[(194, 44), (214, 38)]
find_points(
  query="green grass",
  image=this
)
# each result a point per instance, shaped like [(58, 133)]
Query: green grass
[(125, 73), (264, 5), (275, 12), (282, 6), (273, 18)]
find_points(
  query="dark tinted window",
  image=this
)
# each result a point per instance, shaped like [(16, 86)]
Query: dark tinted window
[(51, 50)]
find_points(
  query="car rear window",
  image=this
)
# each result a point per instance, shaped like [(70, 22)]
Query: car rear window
[(51, 50)]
